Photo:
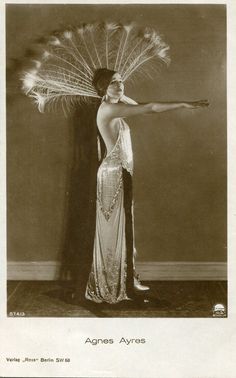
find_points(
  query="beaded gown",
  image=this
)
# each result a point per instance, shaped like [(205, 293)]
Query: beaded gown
[(108, 276)]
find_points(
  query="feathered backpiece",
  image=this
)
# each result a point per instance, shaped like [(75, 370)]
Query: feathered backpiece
[(63, 71)]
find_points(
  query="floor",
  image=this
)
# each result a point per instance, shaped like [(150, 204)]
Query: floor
[(171, 299)]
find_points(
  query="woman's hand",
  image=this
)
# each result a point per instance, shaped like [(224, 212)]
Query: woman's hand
[(196, 104)]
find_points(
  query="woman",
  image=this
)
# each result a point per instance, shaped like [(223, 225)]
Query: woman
[(99, 247), (112, 277)]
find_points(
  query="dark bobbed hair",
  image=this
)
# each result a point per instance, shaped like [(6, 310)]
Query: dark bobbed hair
[(101, 80)]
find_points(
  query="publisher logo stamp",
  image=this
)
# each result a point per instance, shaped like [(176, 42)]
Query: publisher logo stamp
[(219, 311)]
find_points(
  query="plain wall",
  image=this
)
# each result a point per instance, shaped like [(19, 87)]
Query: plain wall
[(180, 156)]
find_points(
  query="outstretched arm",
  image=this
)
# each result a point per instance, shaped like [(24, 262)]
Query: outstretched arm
[(126, 110), (164, 106)]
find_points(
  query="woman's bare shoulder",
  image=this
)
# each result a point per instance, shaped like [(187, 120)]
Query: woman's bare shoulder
[(102, 115), (104, 119), (105, 106), (101, 110), (106, 111), (110, 110)]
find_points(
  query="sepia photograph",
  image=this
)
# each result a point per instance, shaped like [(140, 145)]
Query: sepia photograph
[(116, 160), (117, 203)]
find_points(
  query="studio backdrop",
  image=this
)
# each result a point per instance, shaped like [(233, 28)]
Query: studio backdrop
[(180, 156)]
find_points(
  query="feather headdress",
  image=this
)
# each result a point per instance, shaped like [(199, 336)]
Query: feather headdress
[(64, 70)]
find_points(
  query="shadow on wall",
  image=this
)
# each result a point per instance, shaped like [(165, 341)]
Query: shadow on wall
[(180, 157)]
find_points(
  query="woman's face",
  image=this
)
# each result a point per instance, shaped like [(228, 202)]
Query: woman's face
[(115, 89)]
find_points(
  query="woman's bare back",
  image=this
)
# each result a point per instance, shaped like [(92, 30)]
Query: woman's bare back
[(108, 128)]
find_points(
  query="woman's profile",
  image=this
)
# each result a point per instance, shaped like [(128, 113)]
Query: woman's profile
[(99, 253)]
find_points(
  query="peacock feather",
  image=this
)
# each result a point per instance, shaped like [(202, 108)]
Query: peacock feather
[(63, 72)]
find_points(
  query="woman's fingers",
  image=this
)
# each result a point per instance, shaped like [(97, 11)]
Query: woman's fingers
[(203, 102), (199, 104)]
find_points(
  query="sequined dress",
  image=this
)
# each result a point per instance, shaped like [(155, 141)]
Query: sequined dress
[(107, 279)]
